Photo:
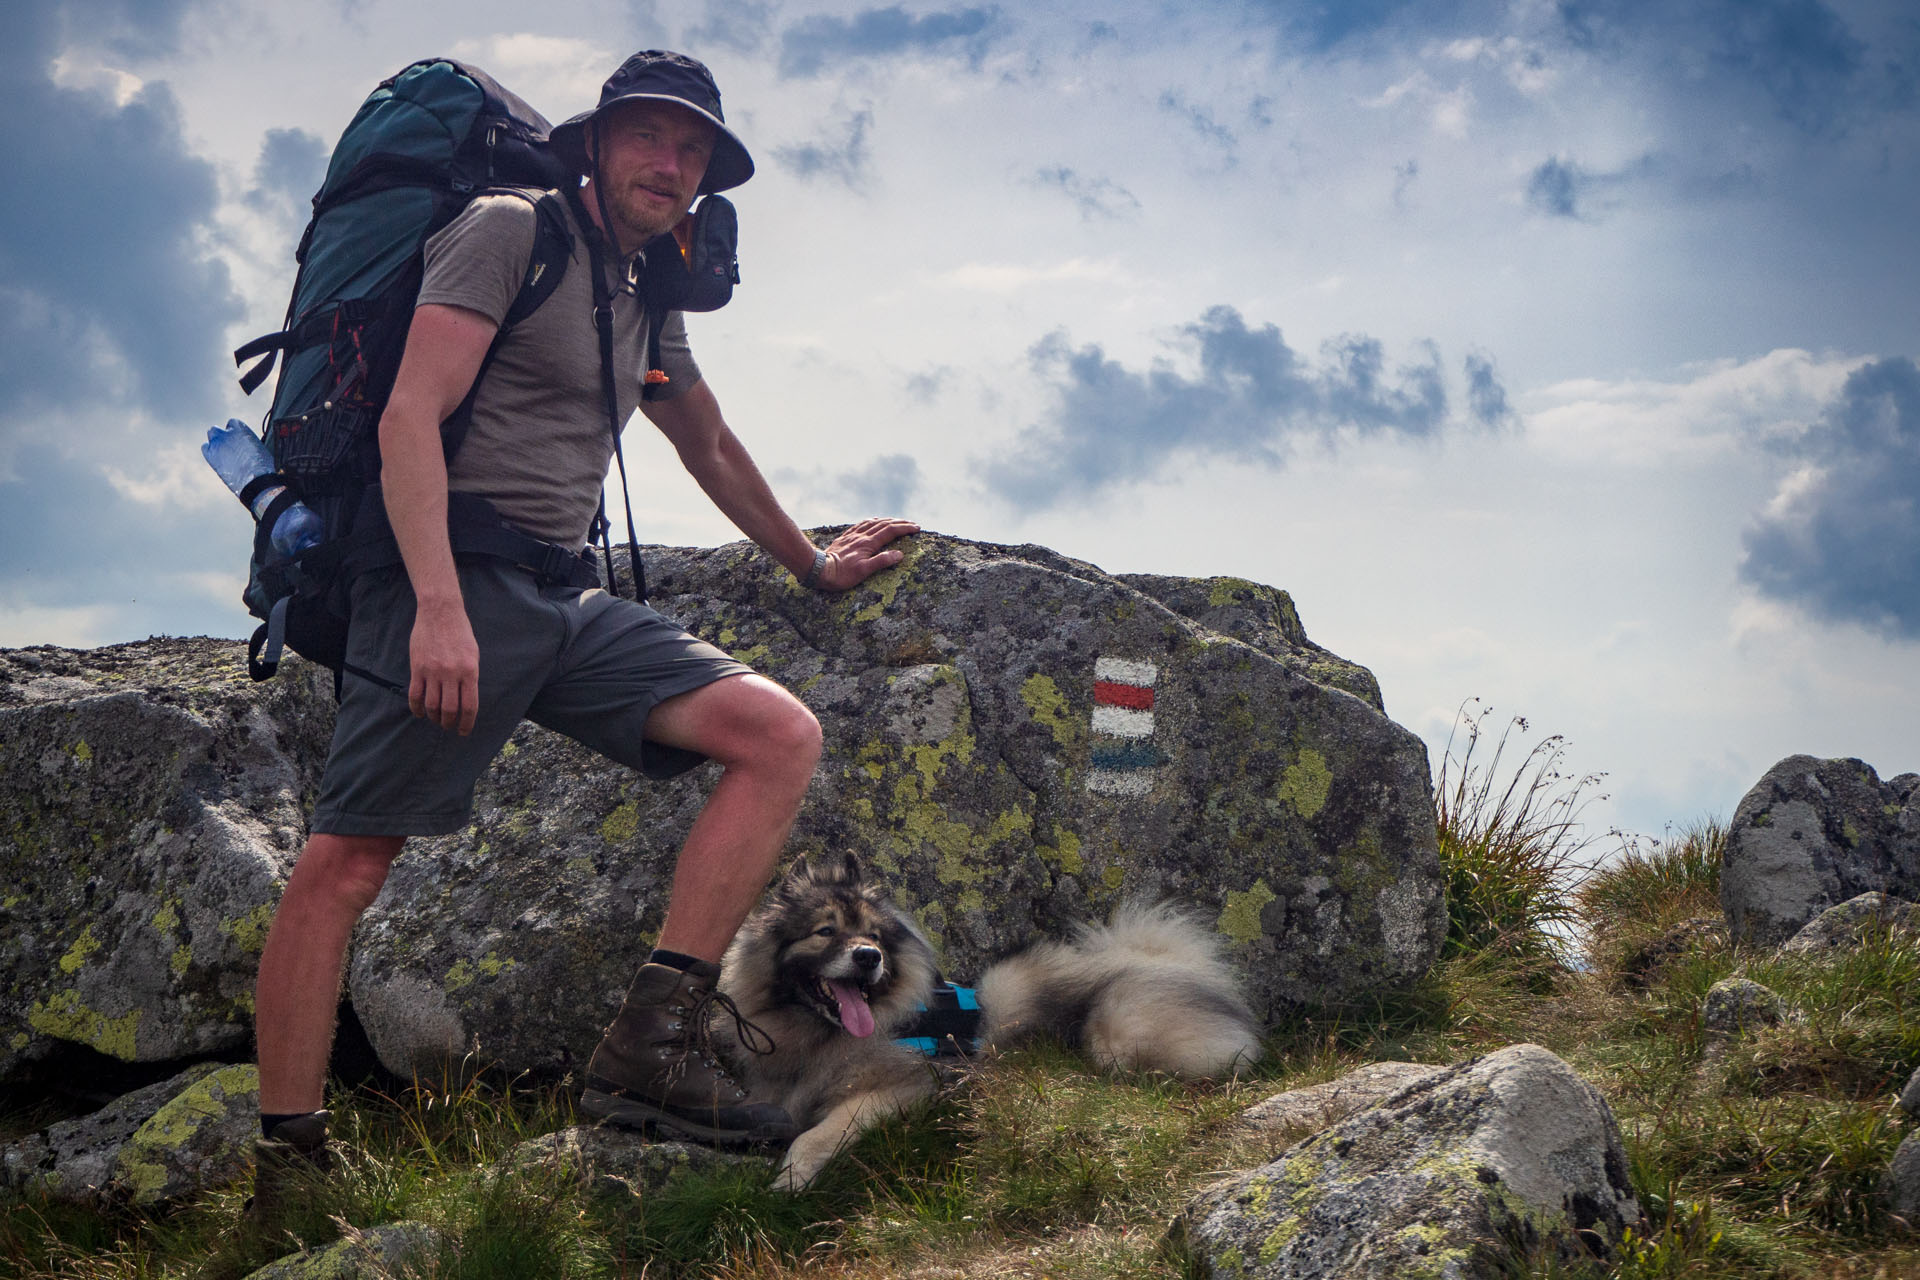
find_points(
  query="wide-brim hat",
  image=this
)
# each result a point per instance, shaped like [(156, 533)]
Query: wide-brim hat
[(656, 75)]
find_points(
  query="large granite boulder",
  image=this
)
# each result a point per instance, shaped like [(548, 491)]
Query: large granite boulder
[(1812, 834), (1016, 739), (1462, 1175), (151, 801)]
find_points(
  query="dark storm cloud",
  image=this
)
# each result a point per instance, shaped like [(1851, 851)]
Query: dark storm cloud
[(740, 25), (291, 165), (1799, 56), (840, 159), (821, 42), (129, 559), (105, 293), (1323, 26), (1201, 121), (887, 485), (1554, 189), (1486, 396), (1095, 197), (1843, 540), (1252, 399)]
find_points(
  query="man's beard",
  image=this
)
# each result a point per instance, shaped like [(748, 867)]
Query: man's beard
[(636, 222)]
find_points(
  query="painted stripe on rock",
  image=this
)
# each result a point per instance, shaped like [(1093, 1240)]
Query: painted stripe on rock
[(1120, 782), (1108, 693), (1125, 755), (1124, 671), (1123, 723)]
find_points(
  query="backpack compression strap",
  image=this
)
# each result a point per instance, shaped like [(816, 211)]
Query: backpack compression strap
[(603, 322)]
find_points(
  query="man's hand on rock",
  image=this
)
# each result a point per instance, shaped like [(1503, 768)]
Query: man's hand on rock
[(863, 551)]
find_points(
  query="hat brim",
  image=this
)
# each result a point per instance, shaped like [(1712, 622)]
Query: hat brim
[(728, 167)]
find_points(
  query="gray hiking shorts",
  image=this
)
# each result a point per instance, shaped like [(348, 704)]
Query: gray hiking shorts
[(583, 663)]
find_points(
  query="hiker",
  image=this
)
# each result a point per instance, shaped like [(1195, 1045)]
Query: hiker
[(478, 644)]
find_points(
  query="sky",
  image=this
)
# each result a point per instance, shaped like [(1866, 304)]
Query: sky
[(1559, 356)]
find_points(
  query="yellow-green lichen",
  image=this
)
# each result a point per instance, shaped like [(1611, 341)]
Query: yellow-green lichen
[(83, 946), (167, 918), (20, 1041), (1225, 591), (1113, 876), (1306, 782), (1064, 852), (82, 752), (62, 1016), (622, 824), (465, 972), (886, 585), (1278, 1239), (140, 1166), (1048, 707), (250, 930), (1240, 918)]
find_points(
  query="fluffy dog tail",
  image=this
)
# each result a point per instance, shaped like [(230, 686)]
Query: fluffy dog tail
[(1149, 991)]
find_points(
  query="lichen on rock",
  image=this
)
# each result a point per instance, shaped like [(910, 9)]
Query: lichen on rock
[(1460, 1174)]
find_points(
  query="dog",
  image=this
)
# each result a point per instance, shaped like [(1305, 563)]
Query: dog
[(829, 967)]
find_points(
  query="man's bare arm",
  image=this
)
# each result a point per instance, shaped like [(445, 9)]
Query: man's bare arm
[(721, 466), (445, 346)]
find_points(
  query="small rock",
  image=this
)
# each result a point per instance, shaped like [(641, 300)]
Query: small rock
[(1446, 1178), (203, 1137), (1318, 1105), (617, 1162), (1845, 924), (76, 1160), (1734, 1005), (1910, 1096), (1903, 1183), (377, 1253)]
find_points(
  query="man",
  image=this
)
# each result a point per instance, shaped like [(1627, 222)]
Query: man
[(478, 644)]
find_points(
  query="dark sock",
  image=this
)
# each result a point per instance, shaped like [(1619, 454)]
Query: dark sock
[(270, 1119), (673, 959)]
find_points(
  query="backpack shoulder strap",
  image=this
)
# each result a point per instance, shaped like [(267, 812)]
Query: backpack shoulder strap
[(546, 267)]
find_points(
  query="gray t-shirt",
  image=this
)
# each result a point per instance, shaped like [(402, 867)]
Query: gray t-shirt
[(539, 445)]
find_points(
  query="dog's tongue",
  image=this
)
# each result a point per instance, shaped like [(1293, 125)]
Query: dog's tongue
[(855, 1017)]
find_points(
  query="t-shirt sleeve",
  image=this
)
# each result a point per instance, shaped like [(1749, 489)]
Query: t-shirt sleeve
[(478, 260), (676, 356)]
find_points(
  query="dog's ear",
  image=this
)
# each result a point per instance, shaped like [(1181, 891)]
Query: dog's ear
[(851, 872)]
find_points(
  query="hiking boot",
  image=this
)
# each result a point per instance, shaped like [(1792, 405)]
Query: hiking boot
[(656, 1065), (287, 1164)]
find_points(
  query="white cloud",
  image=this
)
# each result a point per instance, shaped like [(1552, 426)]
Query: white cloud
[(1001, 277), (1704, 412)]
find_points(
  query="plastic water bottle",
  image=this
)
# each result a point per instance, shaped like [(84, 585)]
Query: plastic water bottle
[(237, 456)]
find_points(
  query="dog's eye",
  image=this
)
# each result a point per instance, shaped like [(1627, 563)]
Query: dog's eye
[(824, 931)]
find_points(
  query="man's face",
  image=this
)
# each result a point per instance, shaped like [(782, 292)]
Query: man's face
[(651, 159)]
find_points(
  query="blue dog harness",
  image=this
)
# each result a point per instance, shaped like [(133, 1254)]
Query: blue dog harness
[(948, 1025)]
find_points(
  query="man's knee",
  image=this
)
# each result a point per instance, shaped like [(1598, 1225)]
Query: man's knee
[(346, 871), (746, 720)]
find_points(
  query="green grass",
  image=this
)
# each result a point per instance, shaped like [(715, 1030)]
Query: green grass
[(1511, 842), (1755, 1157)]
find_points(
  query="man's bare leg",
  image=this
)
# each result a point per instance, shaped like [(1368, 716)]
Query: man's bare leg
[(768, 744), (297, 993), (652, 1068)]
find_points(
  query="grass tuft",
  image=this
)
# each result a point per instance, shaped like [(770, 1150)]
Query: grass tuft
[(1511, 844)]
